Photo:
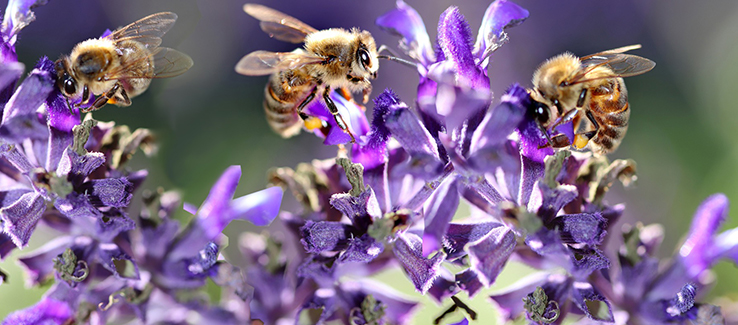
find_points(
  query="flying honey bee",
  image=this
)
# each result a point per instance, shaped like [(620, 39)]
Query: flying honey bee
[(590, 92), (120, 66), (335, 58)]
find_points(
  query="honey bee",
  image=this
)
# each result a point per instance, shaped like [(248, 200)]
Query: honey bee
[(590, 92), (120, 66), (331, 59)]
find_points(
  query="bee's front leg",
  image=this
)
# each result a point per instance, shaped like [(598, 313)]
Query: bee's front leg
[(103, 99), (337, 116)]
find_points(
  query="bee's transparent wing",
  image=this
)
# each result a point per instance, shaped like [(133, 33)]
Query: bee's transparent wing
[(147, 30), (167, 63), (621, 65), (261, 63), (170, 63), (278, 24)]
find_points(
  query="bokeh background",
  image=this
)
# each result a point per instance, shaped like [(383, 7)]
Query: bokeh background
[(684, 119)]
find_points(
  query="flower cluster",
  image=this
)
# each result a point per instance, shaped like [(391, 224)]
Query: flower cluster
[(105, 262), (391, 200)]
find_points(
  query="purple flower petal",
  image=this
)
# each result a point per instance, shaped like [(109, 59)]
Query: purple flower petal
[(76, 205), (553, 200), (531, 172), (260, 208), (156, 238), (46, 311), (489, 255), (19, 127), (110, 192), (409, 252), (58, 142), (405, 22), (117, 261), (591, 302), (683, 302), (77, 166), (18, 15), (439, 210), (454, 39), (39, 265), (500, 15), (6, 245), (457, 102), (216, 205), (412, 135), (362, 209), (30, 95), (443, 288), (112, 224), (16, 158), (19, 219), (374, 152), (587, 261), (362, 250), (458, 235), (59, 116), (10, 72), (583, 228), (509, 301), (469, 281), (497, 125), (697, 252), (324, 236)]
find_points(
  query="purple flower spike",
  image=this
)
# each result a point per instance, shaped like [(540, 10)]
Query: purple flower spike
[(405, 22), (46, 311), (20, 218), (489, 255), (409, 251), (374, 152), (500, 15), (454, 39), (698, 251)]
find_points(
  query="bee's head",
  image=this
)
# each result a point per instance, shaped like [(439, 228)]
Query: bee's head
[(366, 55), (67, 84)]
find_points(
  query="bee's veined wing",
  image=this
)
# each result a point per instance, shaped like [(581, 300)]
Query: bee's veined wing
[(170, 62), (147, 30), (167, 63), (261, 63), (278, 24), (621, 65)]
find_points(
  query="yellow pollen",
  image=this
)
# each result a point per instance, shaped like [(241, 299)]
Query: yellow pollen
[(580, 141), (312, 123)]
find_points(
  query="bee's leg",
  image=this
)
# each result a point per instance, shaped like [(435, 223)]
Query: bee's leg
[(304, 103), (568, 116), (103, 99), (582, 97), (334, 110), (581, 139)]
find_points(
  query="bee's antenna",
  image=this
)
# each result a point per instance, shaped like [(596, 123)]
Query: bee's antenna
[(393, 57), (398, 60)]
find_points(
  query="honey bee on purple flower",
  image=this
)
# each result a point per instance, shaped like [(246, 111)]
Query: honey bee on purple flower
[(120, 66)]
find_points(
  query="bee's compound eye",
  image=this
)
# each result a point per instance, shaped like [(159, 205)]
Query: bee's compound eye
[(541, 113), (364, 58), (70, 87)]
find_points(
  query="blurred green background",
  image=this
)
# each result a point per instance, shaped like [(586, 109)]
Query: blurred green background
[(682, 119)]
